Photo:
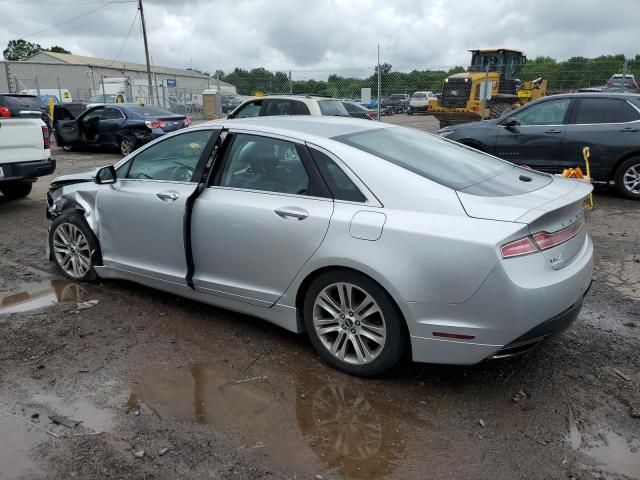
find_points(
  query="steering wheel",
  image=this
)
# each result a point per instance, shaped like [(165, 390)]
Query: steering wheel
[(181, 173)]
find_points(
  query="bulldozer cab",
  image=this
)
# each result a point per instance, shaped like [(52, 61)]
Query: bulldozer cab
[(507, 63)]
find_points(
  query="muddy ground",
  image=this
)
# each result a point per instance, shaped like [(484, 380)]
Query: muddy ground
[(148, 385)]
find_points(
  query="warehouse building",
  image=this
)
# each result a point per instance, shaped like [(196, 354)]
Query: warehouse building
[(84, 77)]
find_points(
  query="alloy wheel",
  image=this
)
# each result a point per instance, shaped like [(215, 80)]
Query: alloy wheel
[(71, 250), (126, 146), (349, 323), (631, 179)]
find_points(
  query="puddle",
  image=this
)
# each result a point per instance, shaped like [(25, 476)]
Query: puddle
[(611, 452), (84, 413), (33, 296), (300, 422)]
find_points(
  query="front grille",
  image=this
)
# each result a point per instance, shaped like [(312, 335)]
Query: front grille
[(455, 93)]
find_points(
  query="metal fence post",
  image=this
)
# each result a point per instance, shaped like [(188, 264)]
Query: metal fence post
[(7, 71), (379, 81), (218, 98), (37, 85), (290, 84), (484, 94), (59, 90)]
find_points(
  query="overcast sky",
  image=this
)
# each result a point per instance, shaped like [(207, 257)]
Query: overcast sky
[(299, 34)]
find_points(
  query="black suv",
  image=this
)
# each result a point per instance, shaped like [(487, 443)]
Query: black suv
[(19, 105), (549, 135)]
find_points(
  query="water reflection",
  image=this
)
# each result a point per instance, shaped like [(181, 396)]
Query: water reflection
[(33, 296), (301, 422)]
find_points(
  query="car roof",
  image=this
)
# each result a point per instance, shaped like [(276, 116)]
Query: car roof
[(309, 125), (593, 94)]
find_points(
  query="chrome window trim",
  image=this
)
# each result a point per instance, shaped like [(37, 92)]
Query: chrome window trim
[(276, 194), (152, 180)]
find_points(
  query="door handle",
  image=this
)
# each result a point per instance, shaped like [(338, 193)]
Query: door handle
[(553, 130), (630, 130), (292, 212), (168, 196)]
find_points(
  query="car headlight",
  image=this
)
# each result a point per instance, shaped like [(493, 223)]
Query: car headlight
[(445, 133)]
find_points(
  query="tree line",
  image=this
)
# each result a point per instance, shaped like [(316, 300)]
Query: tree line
[(571, 74), (20, 49)]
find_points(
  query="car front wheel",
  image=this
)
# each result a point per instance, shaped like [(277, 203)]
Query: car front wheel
[(353, 323), (627, 178), (74, 247)]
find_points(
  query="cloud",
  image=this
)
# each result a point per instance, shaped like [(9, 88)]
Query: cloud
[(294, 34)]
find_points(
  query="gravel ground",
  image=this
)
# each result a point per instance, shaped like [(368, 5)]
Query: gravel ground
[(148, 385)]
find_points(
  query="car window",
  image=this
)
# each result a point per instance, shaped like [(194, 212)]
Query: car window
[(284, 107), (251, 109), (547, 113), (262, 163), (173, 159), (332, 108), (340, 185), (605, 110), (92, 115), (111, 114), (439, 160)]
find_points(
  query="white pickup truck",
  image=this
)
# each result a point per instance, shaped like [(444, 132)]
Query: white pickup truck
[(25, 155)]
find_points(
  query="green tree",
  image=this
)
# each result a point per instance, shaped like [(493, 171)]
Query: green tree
[(57, 49), (20, 49)]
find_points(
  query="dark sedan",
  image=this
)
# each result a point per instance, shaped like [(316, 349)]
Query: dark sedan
[(550, 134), (125, 126), (358, 111)]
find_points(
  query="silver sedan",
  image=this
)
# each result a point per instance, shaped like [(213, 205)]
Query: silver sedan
[(374, 239)]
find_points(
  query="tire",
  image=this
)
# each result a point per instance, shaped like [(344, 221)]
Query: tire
[(70, 233), (497, 110), (67, 148), (127, 144), (16, 189), (351, 333), (627, 178)]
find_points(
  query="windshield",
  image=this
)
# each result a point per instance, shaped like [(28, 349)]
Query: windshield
[(332, 108), (419, 95), (103, 99), (149, 111), (442, 161)]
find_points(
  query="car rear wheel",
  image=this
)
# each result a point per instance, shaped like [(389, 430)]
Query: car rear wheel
[(16, 189), (353, 323), (127, 145), (74, 247), (627, 178)]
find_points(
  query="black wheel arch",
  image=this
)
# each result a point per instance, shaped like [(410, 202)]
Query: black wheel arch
[(612, 172)]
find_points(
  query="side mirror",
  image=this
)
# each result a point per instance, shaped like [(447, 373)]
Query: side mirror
[(106, 176), (510, 122)]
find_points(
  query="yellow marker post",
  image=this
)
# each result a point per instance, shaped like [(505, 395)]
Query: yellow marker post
[(585, 155), (51, 107)]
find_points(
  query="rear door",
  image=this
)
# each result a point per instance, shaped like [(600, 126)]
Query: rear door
[(263, 217), (610, 127), (537, 139), (110, 124)]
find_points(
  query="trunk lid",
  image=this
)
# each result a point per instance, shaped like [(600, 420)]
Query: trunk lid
[(551, 204)]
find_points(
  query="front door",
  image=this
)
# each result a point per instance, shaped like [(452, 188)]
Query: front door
[(142, 214), (537, 139), (262, 219)]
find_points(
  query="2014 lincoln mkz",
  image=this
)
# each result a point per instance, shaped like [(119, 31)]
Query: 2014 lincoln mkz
[(373, 239)]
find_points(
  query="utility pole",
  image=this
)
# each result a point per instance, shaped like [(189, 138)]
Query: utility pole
[(146, 50)]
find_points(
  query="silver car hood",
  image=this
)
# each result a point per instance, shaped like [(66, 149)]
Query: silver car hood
[(85, 176)]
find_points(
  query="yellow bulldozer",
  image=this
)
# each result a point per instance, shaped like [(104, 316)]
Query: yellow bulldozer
[(488, 89)]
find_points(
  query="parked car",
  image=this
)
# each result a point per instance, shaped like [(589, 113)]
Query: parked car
[(123, 125), (18, 105), (549, 135), (25, 155), (372, 238), (622, 82), (230, 102), (289, 105), (397, 103), (420, 102), (358, 111)]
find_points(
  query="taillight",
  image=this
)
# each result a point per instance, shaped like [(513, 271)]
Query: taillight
[(187, 122), (45, 137), (546, 240), (522, 246), (541, 241), (5, 112), (155, 123)]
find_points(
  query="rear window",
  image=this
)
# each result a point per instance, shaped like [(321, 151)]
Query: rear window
[(149, 111), (332, 108), (419, 95), (605, 110), (23, 102), (444, 162)]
